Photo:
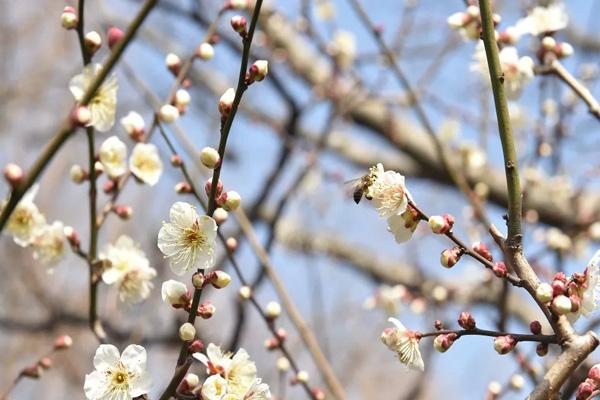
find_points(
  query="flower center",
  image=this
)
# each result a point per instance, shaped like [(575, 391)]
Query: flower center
[(194, 236), (119, 378)]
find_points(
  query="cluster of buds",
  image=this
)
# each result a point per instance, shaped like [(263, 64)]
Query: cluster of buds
[(504, 344), (443, 342), (13, 174), (564, 295), (239, 24), (591, 384), (257, 71), (229, 201), (468, 23), (69, 18), (451, 256), (441, 224), (550, 48)]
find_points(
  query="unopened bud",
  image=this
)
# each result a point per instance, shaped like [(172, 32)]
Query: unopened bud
[(182, 98), (438, 325), (205, 51), (134, 125), (238, 23), (494, 388), (548, 43), (504, 344), (34, 371), (176, 160), (68, 18), (221, 279), (99, 168), (226, 102), (594, 374), (585, 390), (561, 305), (208, 187), (237, 4), (245, 292), (259, 70), (198, 280), (517, 382), (273, 310), (230, 200), (72, 236), (575, 302), (302, 377), (442, 343), (450, 257), (92, 41), (206, 310), (466, 320), (188, 384), (220, 215), (271, 344), (283, 364), (187, 332), (441, 224), (535, 327), (317, 394), (109, 186), (209, 157), (481, 249), (499, 269), (544, 293), (564, 49), (124, 212), (81, 116), (231, 243), (168, 113), (196, 346), (115, 35), (13, 174), (558, 287), (173, 63), (77, 174), (183, 187), (45, 362), (63, 342)]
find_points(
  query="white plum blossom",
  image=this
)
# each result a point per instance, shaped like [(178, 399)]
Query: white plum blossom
[(118, 377), (405, 343), (387, 297), (103, 105), (129, 269), (468, 23), (26, 219), (239, 371), (188, 241), (145, 163), (388, 192), (133, 123), (49, 244), (113, 156), (258, 391), (517, 70), (590, 292), (214, 388), (404, 225), (542, 20), (174, 292), (343, 48)]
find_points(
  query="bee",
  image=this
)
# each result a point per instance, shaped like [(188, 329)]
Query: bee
[(360, 186)]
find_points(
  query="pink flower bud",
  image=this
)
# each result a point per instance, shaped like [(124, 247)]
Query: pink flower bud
[(176, 160), (442, 343), (108, 186), (281, 334), (466, 320), (13, 174), (318, 394), (504, 344), (441, 224), (45, 363), (438, 325), (206, 310), (535, 327), (63, 342), (93, 42), (499, 269), (271, 344), (575, 302), (231, 243), (220, 279), (34, 371), (481, 249), (183, 187), (208, 187), (560, 276), (81, 116), (124, 212), (238, 23), (230, 200), (584, 390), (196, 346), (594, 374), (450, 257), (561, 305), (541, 349), (209, 157), (114, 35), (226, 102), (72, 236), (68, 18), (544, 293), (259, 70)]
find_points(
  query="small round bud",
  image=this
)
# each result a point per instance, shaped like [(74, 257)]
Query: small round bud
[(544, 293), (561, 305), (221, 279), (68, 18), (72, 236), (535, 327), (188, 384), (208, 187), (45, 363), (205, 51), (134, 125), (548, 43), (481, 249), (564, 49), (584, 390), (182, 98), (230, 200), (271, 344), (209, 157), (196, 346), (466, 320), (302, 377), (541, 349), (237, 4), (63, 342), (13, 174), (438, 325), (124, 212), (34, 371), (245, 292), (442, 343), (558, 287), (183, 187), (173, 63), (450, 257), (318, 394), (594, 374), (92, 41), (77, 174), (499, 269), (259, 70), (176, 160), (187, 332), (273, 310), (238, 23), (441, 224), (504, 344), (99, 168), (81, 116), (220, 215), (206, 310), (495, 388), (114, 35), (231, 243), (517, 382), (226, 102), (198, 280), (168, 113), (283, 364), (473, 11)]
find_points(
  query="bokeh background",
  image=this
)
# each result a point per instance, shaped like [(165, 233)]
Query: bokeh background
[(331, 253)]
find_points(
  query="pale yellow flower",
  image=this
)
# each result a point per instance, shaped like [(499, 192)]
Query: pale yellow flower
[(113, 156), (405, 344), (26, 219), (145, 163), (49, 244)]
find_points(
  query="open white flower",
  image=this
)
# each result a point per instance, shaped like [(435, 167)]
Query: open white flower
[(541, 20), (145, 163), (517, 70), (214, 388), (49, 244), (404, 225), (26, 219), (405, 343), (129, 269), (118, 377), (104, 103), (388, 192), (590, 293), (113, 156), (239, 371), (258, 391), (188, 240)]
